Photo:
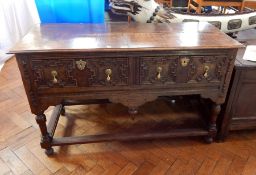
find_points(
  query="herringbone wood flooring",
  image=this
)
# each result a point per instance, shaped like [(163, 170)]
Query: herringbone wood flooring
[(20, 152)]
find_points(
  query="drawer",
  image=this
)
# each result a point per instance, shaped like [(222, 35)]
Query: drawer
[(183, 69), (91, 72)]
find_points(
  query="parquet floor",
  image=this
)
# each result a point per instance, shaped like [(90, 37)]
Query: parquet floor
[(20, 152)]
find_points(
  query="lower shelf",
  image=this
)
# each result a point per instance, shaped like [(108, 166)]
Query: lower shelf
[(127, 136), (163, 118)]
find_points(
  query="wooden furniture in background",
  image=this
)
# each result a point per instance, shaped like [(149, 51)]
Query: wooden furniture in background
[(166, 2), (198, 4), (129, 19), (250, 4), (131, 64), (240, 108), (179, 3)]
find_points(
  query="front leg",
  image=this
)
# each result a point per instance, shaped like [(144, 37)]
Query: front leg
[(216, 108), (46, 139)]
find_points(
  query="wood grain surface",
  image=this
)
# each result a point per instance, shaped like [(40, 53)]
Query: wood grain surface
[(123, 37)]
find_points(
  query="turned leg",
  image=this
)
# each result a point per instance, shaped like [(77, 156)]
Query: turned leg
[(212, 124), (199, 8), (46, 138), (188, 8)]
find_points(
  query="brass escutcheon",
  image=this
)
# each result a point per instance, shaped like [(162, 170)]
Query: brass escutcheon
[(184, 61), (54, 75), (108, 72), (206, 69), (159, 70), (81, 64)]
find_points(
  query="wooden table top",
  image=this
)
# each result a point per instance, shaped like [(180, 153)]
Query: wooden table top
[(123, 37)]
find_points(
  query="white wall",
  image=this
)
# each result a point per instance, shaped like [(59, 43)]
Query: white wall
[(16, 18)]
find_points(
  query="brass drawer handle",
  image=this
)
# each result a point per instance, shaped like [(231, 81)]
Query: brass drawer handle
[(108, 72), (81, 64), (159, 70), (206, 70), (54, 75), (184, 61)]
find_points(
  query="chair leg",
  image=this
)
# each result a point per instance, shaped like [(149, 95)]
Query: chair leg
[(188, 10), (224, 9), (129, 19), (242, 6), (171, 3), (198, 10)]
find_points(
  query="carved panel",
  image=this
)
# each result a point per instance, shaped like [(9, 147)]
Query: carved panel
[(174, 70), (180, 72), (119, 69), (216, 68), (24, 65), (227, 74), (149, 70), (63, 70)]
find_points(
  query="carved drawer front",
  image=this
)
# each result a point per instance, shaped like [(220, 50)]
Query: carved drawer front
[(82, 72), (154, 70), (183, 69), (208, 69), (107, 71), (53, 73)]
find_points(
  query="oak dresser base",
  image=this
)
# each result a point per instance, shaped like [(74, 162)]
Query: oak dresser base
[(130, 64)]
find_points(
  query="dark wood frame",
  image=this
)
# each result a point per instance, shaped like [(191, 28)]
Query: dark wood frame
[(243, 77)]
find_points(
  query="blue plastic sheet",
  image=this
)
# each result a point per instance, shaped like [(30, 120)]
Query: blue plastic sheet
[(71, 11)]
